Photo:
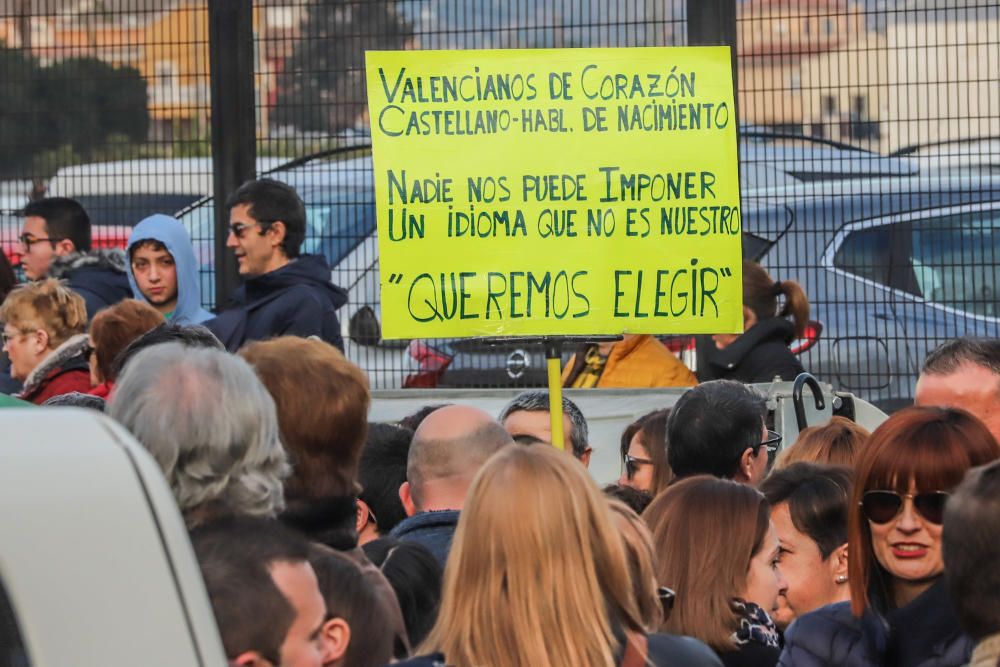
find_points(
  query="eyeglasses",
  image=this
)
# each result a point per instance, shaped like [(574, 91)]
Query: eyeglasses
[(883, 506), (632, 464), (771, 442), (27, 240), (239, 229), (6, 337)]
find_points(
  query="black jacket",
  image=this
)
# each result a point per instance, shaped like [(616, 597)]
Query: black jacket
[(296, 300), (435, 530), (663, 651), (925, 633), (759, 355), (98, 276)]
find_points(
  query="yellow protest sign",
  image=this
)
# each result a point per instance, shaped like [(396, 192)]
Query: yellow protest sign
[(556, 191)]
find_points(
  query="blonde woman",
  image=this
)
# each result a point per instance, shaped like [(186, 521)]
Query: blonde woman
[(44, 326), (538, 576)]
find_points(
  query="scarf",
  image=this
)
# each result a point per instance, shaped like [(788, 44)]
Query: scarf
[(754, 625)]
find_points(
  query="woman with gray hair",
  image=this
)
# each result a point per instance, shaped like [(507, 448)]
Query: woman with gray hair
[(211, 426)]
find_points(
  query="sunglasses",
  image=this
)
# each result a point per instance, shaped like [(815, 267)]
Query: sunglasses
[(632, 464), (883, 506), (239, 229)]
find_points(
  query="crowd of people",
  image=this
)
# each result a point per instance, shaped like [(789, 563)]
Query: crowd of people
[(460, 537)]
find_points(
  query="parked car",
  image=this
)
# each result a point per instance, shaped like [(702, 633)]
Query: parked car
[(94, 574), (892, 267)]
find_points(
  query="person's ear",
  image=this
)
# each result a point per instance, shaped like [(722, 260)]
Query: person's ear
[(64, 247), (39, 341), (744, 473), (277, 231), (249, 659), (361, 515), (336, 638), (838, 564), (749, 318), (585, 457), (406, 498)]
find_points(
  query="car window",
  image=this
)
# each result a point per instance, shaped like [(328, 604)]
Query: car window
[(956, 261), (12, 650), (865, 253), (129, 209)]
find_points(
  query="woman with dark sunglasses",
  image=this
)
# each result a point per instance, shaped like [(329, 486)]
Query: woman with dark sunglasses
[(644, 453), (899, 613)]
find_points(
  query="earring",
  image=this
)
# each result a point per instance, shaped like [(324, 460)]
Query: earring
[(842, 579)]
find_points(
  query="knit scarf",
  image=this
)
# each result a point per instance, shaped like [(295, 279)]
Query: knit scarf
[(754, 625)]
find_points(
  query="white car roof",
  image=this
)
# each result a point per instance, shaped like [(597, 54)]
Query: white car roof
[(95, 557)]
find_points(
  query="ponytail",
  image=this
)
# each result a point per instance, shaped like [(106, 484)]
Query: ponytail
[(760, 295), (796, 305)]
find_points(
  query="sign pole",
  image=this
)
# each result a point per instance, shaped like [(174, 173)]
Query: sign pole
[(553, 359)]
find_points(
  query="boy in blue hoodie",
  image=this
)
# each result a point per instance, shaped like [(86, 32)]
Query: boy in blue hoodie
[(163, 271)]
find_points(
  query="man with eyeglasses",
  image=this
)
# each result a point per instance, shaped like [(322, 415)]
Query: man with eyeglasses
[(717, 428), (56, 242), (285, 293)]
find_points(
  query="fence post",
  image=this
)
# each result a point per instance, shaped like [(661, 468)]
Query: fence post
[(713, 23), (234, 149)]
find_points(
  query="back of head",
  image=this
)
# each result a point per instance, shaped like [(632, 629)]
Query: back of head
[(382, 471), (537, 573), (710, 427), (272, 201), (950, 356), (412, 421), (538, 401), (64, 219), (760, 295), (7, 278), (188, 335), (635, 499), (708, 530), (210, 424), (837, 442), (971, 551), (448, 449), (235, 555), (351, 596), (817, 497), (114, 327), (641, 563), (322, 400), (415, 574), (48, 305)]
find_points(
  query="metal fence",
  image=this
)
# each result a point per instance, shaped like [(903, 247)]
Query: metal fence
[(870, 131)]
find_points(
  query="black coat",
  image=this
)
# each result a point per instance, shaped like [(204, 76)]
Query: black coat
[(98, 276), (925, 633), (296, 300), (759, 355), (663, 651)]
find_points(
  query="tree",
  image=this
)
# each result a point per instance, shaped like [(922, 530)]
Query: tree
[(86, 101), (322, 86), (18, 113)]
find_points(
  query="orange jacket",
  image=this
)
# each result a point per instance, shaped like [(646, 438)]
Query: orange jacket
[(640, 362)]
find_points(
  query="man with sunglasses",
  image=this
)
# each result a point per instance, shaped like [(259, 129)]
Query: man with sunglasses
[(56, 243), (717, 428), (285, 293)]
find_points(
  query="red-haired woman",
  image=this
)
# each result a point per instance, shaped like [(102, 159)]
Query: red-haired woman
[(899, 613)]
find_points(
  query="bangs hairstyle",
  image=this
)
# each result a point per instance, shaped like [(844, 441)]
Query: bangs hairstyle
[(707, 530), (49, 305), (529, 586), (930, 447)]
